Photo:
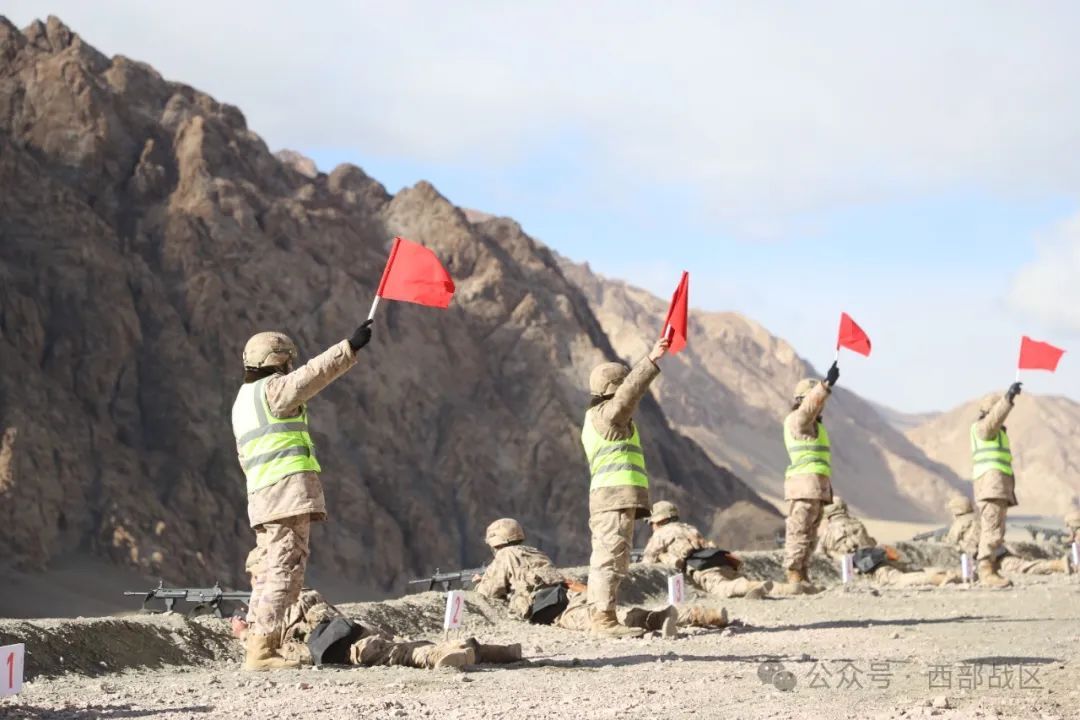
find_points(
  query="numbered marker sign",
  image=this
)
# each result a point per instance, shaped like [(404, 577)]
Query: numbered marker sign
[(847, 568), (455, 609), (11, 668), (965, 567), (676, 589), (1076, 556)]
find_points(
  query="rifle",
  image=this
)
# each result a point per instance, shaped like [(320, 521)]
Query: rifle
[(937, 535), (205, 598), (445, 580), (1048, 533)]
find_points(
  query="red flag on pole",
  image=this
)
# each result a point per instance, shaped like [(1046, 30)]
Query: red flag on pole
[(675, 324), (413, 274), (851, 336), (1035, 355)]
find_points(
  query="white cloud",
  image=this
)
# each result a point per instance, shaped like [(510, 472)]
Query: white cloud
[(765, 111), (1048, 288)]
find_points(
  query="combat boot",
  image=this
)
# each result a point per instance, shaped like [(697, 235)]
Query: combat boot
[(262, 655), (988, 575), (700, 616), (944, 577), (796, 576), (605, 624), (756, 589), (1061, 565)]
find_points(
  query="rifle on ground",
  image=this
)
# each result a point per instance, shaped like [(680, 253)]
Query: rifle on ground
[(937, 535), (206, 599), (445, 580), (1048, 533)]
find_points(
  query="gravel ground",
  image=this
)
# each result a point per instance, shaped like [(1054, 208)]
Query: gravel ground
[(853, 652)]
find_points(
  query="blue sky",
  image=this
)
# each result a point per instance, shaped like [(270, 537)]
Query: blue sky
[(913, 164)]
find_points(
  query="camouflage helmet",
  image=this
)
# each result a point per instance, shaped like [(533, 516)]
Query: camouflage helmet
[(606, 378), (836, 507), (803, 387), (664, 510), (268, 349), (503, 532), (960, 505), (1072, 520)]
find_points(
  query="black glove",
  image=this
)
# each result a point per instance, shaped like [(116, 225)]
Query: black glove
[(362, 336), (833, 375), (1013, 391)]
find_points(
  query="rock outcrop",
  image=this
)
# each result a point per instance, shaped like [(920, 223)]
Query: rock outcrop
[(146, 232)]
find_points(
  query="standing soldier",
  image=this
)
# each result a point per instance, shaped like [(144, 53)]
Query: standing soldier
[(273, 440), (995, 484), (619, 491), (807, 483), (1072, 521), (964, 535)]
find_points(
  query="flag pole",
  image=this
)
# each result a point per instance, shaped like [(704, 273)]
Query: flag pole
[(374, 305), (382, 280)]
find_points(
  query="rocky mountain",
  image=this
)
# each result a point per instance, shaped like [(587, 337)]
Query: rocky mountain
[(731, 387), (1043, 431), (146, 232)]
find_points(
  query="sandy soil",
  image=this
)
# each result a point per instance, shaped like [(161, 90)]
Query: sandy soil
[(853, 652)]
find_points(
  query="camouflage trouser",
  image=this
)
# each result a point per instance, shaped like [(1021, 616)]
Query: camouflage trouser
[(804, 517), (376, 650), (1020, 566), (277, 572), (576, 614), (612, 534), (894, 577), (991, 526), (717, 582)]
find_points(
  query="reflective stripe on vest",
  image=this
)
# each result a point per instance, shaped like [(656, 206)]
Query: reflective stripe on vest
[(270, 448), (809, 457), (987, 455), (613, 463)]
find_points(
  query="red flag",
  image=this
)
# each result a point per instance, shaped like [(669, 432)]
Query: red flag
[(675, 324), (413, 274), (1035, 355), (852, 336)]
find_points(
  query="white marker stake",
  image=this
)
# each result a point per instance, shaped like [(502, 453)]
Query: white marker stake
[(847, 568), (455, 609), (1076, 556), (676, 589), (11, 668), (965, 567)]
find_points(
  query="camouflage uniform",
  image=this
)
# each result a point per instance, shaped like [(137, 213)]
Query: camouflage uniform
[(845, 535), (281, 514), (612, 510), (518, 571), (806, 494), (673, 542), (964, 534), (375, 646), (994, 490)]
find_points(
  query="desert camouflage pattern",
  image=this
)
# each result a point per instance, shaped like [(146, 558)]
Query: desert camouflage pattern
[(802, 423), (613, 420), (612, 537), (964, 534), (994, 484), (992, 514), (801, 529), (299, 494), (280, 559), (514, 574), (670, 545), (843, 535)]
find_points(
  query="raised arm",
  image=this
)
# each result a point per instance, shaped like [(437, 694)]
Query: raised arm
[(810, 409), (620, 409), (988, 427), (286, 393)]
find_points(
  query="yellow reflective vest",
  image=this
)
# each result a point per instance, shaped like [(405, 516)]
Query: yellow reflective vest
[(614, 463), (270, 448), (808, 457), (989, 455)]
